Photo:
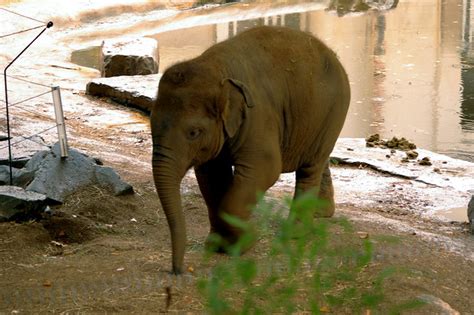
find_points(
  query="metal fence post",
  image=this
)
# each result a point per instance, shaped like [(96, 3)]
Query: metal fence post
[(58, 111)]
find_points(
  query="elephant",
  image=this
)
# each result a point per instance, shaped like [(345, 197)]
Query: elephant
[(267, 101)]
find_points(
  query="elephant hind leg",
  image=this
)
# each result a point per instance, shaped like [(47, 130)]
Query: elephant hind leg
[(317, 179)]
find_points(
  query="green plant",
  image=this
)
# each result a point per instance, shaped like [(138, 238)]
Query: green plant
[(304, 267)]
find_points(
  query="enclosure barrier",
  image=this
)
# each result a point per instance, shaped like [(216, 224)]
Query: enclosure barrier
[(56, 95)]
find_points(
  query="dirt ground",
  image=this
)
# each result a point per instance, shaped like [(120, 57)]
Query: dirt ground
[(105, 254)]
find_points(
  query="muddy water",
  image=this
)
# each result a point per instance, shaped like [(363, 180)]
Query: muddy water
[(411, 67), (454, 214)]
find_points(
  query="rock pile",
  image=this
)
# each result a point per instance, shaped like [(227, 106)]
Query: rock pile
[(51, 179)]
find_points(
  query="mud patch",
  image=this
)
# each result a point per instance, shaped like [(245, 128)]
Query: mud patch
[(458, 214), (70, 229)]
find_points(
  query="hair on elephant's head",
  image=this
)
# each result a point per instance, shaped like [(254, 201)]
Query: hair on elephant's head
[(196, 110)]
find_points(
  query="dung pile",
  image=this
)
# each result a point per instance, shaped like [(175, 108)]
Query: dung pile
[(394, 143), (402, 144)]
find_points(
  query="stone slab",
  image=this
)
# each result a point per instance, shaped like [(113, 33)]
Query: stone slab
[(444, 171), (134, 91), (19, 204), (365, 177)]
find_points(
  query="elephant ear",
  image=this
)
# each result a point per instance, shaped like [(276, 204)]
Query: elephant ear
[(234, 101)]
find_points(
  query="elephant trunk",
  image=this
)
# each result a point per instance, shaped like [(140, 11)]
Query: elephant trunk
[(167, 181)]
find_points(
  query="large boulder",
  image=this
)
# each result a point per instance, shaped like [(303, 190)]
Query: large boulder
[(58, 177), (19, 204), (138, 56)]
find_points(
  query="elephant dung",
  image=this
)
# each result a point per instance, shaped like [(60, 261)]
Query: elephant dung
[(425, 161), (19, 204), (394, 143), (412, 154)]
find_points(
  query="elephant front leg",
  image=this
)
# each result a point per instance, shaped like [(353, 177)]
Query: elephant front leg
[(214, 179), (237, 203), (247, 182), (317, 179)]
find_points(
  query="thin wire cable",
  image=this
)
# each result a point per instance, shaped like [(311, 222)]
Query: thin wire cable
[(26, 17), (27, 81), (32, 112), (48, 25), (29, 138), (25, 100), (22, 31)]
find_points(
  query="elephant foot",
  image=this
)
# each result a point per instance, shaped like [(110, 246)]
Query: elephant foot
[(233, 244), (215, 243), (325, 211)]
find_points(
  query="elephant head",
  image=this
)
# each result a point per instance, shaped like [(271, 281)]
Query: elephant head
[(197, 109)]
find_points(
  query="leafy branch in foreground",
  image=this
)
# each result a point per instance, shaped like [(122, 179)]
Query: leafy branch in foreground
[(307, 265)]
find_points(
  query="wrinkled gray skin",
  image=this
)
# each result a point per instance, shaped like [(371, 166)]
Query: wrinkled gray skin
[(267, 101)]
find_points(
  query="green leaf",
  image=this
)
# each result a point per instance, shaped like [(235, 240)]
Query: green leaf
[(247, 270), (407, 306)]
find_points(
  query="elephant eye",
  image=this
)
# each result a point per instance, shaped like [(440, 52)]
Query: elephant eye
[(194, 133)]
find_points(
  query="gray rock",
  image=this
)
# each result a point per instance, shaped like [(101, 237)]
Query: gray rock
[(135, 91), (470, 213), (19, 204), (21, 177), (109, 178), (120, 65), (22, 150), (58, 177), (134, 57)]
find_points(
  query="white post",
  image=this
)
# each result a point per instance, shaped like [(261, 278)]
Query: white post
[(58, 111)]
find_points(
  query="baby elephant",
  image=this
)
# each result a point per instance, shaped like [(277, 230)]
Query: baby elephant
[(268, 101)]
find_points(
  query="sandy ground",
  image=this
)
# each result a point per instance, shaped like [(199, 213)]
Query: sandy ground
[(106, 254)]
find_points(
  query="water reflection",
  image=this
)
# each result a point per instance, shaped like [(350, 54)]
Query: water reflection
[(411, 67), (467, 72), (343, 7)]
